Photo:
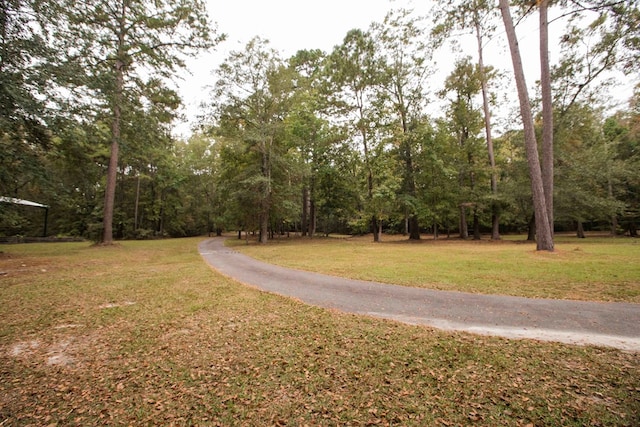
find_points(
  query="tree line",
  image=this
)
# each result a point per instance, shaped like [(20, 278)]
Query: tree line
[(321, 142)]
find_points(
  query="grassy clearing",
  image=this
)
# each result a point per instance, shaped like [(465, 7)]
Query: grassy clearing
[(593, 269), (146, 334)]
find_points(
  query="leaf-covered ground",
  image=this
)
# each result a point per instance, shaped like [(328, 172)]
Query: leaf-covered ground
[(146, 334)]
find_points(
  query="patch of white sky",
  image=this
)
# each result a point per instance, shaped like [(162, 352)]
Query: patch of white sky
[(288, 25), (293, 25)]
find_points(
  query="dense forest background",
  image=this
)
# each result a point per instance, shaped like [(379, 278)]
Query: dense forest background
[(345, 141)]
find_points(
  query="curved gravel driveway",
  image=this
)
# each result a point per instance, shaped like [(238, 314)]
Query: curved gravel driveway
[(574, 322)]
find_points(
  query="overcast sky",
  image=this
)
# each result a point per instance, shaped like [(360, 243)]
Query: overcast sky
[(291, 25)]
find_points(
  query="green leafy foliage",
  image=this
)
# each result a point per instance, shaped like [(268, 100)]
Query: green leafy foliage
[(323, 142)]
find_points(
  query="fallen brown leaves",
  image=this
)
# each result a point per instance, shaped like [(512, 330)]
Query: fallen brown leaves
[(196, 349)]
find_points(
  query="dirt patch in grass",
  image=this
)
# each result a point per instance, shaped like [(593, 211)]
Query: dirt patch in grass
[(45, 350), (13, 265)]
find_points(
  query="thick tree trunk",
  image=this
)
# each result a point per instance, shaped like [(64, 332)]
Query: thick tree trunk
[(476, 225), (633, 230), (464, 228), (313, 218), (161, 217), (264, 228), (375, 228), (495, 221), (265, 203), (580, 230), (407, 153), (135, 215), (305, 211), (410, 185), (495, 211), (414, 228), (543, 232), (374, 218), (406, 225), (547, 112), (531, 234), (112, 171), (614, 218)]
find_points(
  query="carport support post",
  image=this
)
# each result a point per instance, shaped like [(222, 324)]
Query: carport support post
[(46, 216)]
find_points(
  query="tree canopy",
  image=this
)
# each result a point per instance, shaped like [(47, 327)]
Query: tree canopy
[(392, 130)]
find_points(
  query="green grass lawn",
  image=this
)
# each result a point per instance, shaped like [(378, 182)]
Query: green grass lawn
[(597, 269), (146, 334)]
